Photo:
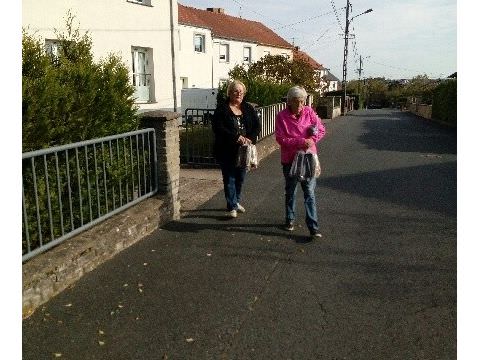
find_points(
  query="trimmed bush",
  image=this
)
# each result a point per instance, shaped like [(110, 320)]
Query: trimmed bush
[(68, 97), (444, 105)]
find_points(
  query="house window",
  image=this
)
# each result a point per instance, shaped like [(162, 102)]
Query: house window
[(224, 53), (247, 54), (52, 47), (141, 73), (199, 42)]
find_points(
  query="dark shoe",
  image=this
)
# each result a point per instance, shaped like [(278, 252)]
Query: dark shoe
[(315, 234), (289, 226)]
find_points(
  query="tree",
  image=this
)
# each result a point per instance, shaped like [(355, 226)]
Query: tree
[(269, 79)]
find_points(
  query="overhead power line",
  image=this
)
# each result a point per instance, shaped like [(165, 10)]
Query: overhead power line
[(336, 15), (304, 20)]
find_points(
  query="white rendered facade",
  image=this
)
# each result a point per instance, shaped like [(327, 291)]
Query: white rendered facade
[(139, 31), (210, 67)]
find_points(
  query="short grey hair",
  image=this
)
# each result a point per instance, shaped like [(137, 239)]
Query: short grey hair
[(233, 84), (296, 92)]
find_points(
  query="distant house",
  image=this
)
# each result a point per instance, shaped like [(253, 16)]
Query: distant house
[(140, 31), (333, 82), (452, 76), (215, 42), (328, 81)]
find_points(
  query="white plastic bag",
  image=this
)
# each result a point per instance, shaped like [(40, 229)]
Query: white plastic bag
[(247, 156)]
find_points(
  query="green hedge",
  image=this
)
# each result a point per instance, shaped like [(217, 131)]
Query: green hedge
[(70, 97), (444, 105)]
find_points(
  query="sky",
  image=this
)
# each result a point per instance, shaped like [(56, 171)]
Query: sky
[(399, 39)]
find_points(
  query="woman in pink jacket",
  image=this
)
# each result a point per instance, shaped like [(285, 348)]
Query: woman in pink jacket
[(298, 128)]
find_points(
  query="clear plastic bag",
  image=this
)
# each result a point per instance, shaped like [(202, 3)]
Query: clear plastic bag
[(305, 165), (247, 156)]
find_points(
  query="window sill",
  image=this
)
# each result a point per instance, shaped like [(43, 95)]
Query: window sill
[(145, 102), (137, 3)]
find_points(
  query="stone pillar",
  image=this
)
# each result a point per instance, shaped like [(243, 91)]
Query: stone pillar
[(167, 136)]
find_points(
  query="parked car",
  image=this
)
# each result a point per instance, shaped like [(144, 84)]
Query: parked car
[(374, 106)]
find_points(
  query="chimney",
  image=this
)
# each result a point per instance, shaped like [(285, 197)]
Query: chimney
[(216, 10)]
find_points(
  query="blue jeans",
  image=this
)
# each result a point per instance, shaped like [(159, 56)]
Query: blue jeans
[(308, 187), (233, 178)]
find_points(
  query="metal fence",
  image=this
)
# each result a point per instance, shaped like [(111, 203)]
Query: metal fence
[(267, 116), (67, 189), (196, 135)]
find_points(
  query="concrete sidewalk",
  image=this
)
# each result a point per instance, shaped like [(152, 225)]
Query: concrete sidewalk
[(50, 273)]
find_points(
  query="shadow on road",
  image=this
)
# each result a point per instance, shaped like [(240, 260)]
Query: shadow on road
[(197, 224), (405, 132), (429, 187)]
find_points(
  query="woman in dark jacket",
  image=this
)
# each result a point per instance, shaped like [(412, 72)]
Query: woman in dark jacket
[(235, 123)]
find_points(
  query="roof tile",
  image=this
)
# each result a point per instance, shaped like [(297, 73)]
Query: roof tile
[(230, 27)]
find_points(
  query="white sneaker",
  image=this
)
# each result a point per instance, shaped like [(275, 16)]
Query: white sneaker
[(240, 208), (232, 213)]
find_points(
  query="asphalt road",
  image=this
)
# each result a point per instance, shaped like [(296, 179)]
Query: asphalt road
[(380, 284)]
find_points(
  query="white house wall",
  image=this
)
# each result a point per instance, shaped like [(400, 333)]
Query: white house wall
[(116, 27), (204, 69), (196, 67)]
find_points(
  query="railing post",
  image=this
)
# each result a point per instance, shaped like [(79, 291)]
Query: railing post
[(167, 145)]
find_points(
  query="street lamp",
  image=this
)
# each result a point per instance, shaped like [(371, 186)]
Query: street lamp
[(345, 54)]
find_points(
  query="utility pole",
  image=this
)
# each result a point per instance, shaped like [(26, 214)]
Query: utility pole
[(359, 77), (345, 54)]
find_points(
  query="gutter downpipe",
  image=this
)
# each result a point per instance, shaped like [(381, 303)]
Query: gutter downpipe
[(172, 49)]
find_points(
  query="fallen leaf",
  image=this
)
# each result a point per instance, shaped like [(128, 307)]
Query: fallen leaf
[(145, 264), (57, 355), (189, 340), (68, 305), (101, 343), (101, 332)]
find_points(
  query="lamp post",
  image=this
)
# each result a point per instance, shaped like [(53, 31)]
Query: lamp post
[(345, 54)]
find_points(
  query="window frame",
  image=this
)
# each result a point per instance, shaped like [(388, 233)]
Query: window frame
[(227, 53), (142, 73), (247, 60), (202, 43), (52, 47)]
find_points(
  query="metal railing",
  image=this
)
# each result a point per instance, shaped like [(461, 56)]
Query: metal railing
[(68, 189), (196, 135), (267, 116)]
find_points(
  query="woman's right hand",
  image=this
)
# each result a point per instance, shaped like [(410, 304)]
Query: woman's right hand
[(242, 140), (308, 143)]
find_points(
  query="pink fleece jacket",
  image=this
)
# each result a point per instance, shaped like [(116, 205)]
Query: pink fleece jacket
[(291, 132)]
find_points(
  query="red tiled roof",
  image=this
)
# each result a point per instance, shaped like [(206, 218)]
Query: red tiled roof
[(298, 54), (230, 27)]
